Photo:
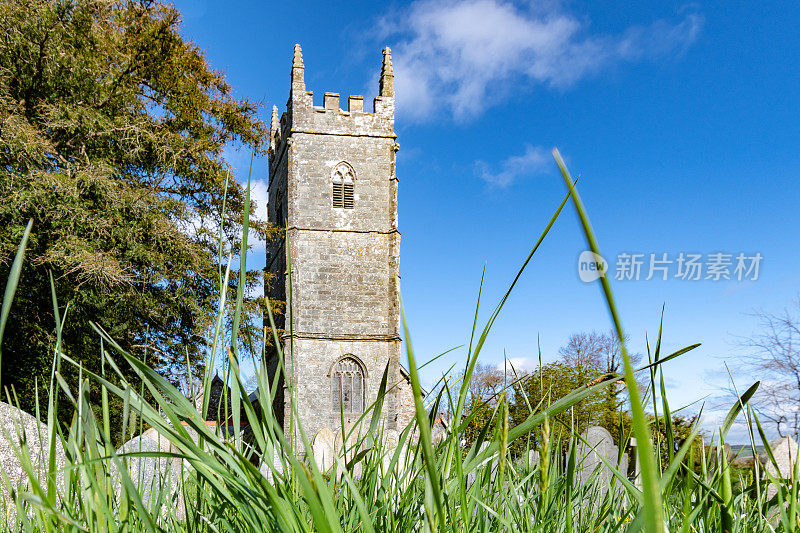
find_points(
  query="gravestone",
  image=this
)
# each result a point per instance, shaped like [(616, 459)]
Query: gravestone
[(438, 430), (391, 441), (323, 449), (277, 465), (401, 474), (356, 436), (164, 443), (714, 452), (597, 444), (14, 424), (785, 452), (392, 438), (490, 462), (636, 466), (623, 465), (152, 475), (533, 458)]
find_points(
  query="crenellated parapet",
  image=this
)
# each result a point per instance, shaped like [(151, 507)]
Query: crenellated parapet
[(302, 116)]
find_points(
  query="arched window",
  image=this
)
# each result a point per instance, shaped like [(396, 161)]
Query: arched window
[(347, 386), (344, 184)]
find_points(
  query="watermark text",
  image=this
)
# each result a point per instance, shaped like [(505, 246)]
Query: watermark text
[(685, 266)]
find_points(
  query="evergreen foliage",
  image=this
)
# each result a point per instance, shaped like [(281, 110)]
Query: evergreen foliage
[(112, 139)]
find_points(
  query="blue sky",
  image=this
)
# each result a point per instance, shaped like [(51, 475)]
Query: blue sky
[(682, 120)]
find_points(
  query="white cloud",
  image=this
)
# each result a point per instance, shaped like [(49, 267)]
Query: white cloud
[(240, 160), (519, 364), (462, 56), (259, 193), (533, 161), (739, 432)]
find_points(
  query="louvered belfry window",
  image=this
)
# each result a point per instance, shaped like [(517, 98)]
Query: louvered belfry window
[(347, 387), (344, 186)]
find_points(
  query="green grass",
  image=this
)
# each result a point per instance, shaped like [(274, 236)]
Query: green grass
[(417, 485)]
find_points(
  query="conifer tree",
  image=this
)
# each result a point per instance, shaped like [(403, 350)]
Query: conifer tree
[(112, 136)]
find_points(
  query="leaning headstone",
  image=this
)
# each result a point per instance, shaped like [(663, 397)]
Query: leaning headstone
[(323, 449), (15, 424), (785, 452), (596, 446)]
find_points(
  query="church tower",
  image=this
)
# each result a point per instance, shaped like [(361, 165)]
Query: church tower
[(333, 188)]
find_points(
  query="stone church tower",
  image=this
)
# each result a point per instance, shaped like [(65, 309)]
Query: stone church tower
[(332, 186)]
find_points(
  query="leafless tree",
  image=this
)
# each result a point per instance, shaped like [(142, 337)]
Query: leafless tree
[(599, 351), (486, 384), (484, 391), (773, 356)]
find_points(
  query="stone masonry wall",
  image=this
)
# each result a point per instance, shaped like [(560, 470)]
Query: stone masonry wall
[(405, 403), (314, 359)]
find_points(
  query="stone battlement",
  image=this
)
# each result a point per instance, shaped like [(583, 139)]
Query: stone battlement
[(329, 119)]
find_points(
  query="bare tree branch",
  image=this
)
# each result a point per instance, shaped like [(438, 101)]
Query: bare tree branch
[(774, 357)]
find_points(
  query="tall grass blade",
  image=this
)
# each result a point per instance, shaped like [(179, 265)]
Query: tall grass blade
[(13, 281), (652, 509)]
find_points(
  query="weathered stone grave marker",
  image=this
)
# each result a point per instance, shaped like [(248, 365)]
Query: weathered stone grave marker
[(323, 448), (277, 465), (162, 474), (391, 441), (14, 424), (785, 452), (533, 458), (598, 445)]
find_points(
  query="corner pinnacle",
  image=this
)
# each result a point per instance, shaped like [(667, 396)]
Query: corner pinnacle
[(275, 121), (386, 84), (298, 70), (297, 60)]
